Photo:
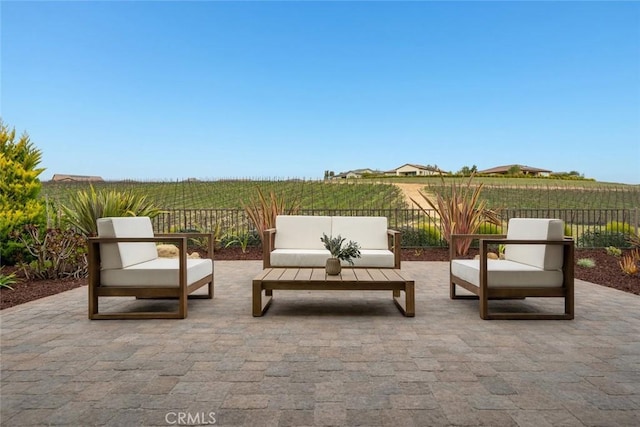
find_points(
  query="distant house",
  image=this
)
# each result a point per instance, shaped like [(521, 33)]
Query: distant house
[(526, 170), (76, 178), (410, 169), (356, 173)]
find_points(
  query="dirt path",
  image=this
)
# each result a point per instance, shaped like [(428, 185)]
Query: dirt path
[(412, 191)]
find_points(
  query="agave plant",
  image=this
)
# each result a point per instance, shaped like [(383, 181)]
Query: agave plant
[(461, 212), (83, 210), (262, 211)]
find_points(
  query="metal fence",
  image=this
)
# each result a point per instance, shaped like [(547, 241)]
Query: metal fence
[(590, 227)]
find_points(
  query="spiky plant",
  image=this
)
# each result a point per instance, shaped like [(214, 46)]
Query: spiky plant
[(262, 211), (461, 211), (6, 280), (83, 211), (629, 262), (634, 240)]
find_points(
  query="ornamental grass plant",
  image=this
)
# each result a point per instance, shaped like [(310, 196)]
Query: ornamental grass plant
[(460, 211), (262, 211)]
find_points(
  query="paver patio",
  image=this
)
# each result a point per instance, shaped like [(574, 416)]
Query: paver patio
[(323, 358)]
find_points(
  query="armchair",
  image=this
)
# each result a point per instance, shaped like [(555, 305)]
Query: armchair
[(538, 263), (123, 261)]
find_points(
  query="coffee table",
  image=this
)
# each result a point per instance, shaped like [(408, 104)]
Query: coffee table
[(350, 279)]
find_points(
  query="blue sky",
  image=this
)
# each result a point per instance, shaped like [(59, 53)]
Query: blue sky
[(172, 90)]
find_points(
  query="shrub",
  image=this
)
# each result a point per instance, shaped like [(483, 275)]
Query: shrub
[(19, 190), (567, 230), (84, 209), (598, 239), (243, 240), (432, 235), (619, 227), (199, 243), (429, 235), (56, 253), (613, 251), (490, 228), (412, 237), (586, 262)]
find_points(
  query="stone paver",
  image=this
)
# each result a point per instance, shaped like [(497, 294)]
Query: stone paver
[(322, 359)]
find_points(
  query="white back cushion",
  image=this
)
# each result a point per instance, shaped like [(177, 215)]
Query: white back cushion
[(546, 257), (301, 231), (369, 232), (121, 255)]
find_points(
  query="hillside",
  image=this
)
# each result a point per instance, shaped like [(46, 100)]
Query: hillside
[(365, 194)]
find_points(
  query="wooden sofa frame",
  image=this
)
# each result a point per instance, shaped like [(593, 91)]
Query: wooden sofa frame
[(484, 293), (181, 292), (269, 243)]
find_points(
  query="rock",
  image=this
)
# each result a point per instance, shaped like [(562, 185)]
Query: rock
[(172, 251), (490, 255), (167, 251)]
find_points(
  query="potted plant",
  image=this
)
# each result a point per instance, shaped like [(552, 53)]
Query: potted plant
[(339, 252)]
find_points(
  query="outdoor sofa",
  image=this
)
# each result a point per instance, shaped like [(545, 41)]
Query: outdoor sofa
[(295, 241)]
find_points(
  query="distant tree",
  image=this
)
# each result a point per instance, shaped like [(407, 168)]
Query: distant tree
[(20, 187), (514, 170), (467, 171), (568, 175), (464, 171)]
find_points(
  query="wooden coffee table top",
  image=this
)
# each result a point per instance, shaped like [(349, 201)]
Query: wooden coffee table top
[(348, 277)]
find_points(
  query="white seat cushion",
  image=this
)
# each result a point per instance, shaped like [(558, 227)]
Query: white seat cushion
[(161, 272), (503, 273), (369, 232), (299, 257), (301, 231), (375, 258)]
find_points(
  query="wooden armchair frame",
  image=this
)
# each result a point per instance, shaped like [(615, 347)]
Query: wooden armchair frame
[(181, 292), (484, 292)]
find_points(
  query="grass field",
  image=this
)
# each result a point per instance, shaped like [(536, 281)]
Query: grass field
[(364, 193)]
